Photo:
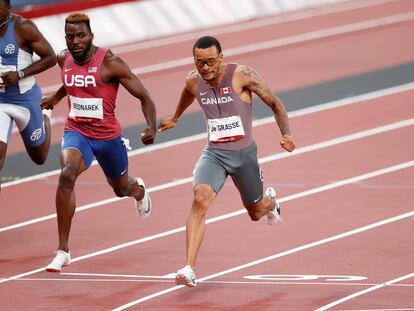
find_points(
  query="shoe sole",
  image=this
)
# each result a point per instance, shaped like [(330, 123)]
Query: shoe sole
[(54, 270), (182, 280)]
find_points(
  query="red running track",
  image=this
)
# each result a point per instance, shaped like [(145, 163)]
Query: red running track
[(343, 237)]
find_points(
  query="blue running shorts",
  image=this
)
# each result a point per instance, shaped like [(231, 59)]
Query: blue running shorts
[(25, 111), (110, 154)]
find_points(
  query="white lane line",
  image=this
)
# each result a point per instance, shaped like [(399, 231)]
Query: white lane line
[(262, 22), (278, 255), (283, 42), (398, 309), (305, 283), (167, 276), (277, 156), (171, 280), (276, 43), (362, 292), (334, 185), (92, 280), (300, 112)]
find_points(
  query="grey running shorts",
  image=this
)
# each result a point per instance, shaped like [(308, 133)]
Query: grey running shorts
[(215, 165)]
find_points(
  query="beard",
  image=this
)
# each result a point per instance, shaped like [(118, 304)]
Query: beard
[(82, 56)]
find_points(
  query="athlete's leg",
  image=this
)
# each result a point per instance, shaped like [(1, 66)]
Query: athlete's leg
[(39, 153), (34, 126), (209, 178), (3, 149), (126, 186), (73, 165), (195, 226), (113, 159), (258, 210), (6, 124), (76, 157), (248, 178)]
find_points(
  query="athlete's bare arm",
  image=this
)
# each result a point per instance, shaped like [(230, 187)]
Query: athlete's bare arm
[(50, 101), (249, 79), (115, 68), (31, 40), (61, 57), (188, 94)]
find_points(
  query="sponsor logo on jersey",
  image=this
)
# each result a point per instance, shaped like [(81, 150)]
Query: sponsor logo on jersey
[(80, 80), (9, 49)]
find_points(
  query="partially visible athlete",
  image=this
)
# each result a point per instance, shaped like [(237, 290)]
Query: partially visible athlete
[(20, 95), (224, 92), (91, 76)]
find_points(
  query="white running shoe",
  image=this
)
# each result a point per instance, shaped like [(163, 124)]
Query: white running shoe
[(186, 276), (143, 206), (273, 216), (62, 259)]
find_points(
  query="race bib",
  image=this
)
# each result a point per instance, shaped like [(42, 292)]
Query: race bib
[(86, 108), (225, 129)]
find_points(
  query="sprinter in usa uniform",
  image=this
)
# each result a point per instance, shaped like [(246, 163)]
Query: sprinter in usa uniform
[(91, 76)]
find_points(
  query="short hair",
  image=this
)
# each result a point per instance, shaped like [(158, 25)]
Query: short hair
[(7, 2), (78, 18), (205, 42)]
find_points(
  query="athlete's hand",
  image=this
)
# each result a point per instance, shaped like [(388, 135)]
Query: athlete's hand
[(287, 143), (148, 136), (167, 124), (9, 77), (48, 102)]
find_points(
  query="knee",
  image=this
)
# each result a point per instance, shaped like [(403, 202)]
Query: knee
[(38, 157), (201, 199), (39, 160), (201, 203), (67, 178)]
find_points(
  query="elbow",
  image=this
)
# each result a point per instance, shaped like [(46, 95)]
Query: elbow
[(50, 61), (53, 60)]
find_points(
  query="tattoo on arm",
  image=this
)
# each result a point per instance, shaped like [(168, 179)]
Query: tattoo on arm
[(256, 84)]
